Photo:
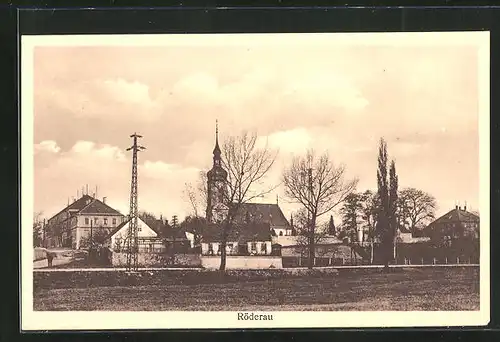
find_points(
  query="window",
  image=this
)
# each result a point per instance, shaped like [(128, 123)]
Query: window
[(210, 249), (96, 220), (263, 247), (253, 246), (114, 221), (281, 233), (105, 221), (87, 221)]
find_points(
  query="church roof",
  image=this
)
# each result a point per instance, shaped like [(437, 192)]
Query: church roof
[(241, 233), (269, 213)]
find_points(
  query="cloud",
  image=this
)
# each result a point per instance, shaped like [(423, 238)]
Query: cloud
[(47, 146), (162, 170), (325, 90), (294, 141), (104, 99)]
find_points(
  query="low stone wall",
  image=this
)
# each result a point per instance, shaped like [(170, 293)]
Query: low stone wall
[(157, 260), (242, 262)]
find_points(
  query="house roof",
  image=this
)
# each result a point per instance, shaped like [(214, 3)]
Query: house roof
[(262, 212), (98, 207), (116, 229), (456, 215), (242, 233), (89, 205), (164, 230)]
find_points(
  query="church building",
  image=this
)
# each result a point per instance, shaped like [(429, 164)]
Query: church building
[(249, 215)]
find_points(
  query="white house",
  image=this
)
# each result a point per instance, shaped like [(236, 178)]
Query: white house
[(243, 239), (149, 238)]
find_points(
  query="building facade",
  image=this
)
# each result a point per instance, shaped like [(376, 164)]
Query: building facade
[(457, 224), (86, 218), (251, 239)]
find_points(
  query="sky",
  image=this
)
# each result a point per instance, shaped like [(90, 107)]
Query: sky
[(300, 95)]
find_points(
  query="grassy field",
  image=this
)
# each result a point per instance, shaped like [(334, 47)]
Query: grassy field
[(406, 289)]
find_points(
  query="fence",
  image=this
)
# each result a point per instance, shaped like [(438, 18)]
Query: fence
[(295, 261)]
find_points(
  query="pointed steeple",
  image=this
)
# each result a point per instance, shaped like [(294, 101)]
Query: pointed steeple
[(216, 148)]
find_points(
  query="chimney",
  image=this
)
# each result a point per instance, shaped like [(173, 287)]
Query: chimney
[(104, 200), (465, 206)]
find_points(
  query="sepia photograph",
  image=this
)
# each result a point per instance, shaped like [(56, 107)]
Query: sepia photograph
[(255, 180)]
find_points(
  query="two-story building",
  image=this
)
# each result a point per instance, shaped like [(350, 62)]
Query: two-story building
[(76, 223), (457, 224)]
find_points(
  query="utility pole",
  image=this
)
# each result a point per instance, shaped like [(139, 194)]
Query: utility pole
[(91, 238), (43, 233), (132, 243), (174, 231)]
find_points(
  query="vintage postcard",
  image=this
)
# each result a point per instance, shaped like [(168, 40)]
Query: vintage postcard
[(255, 180)]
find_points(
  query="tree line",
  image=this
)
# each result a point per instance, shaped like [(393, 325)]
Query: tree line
[(319, 185)]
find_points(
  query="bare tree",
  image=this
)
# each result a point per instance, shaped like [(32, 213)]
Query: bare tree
[(417, 208), (301, 224), (370, 207), (247, 166), (319, 185), (38, 227), (196, 195)]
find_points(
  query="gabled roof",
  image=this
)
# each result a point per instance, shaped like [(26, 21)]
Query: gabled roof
[(262, 212), (161, 230), (88, 205), (116, 229), (100, 208), (165, 231), (456, 215), (77, 205), (241, 233)]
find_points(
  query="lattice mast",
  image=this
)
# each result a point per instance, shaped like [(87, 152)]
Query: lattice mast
[(132, 241)]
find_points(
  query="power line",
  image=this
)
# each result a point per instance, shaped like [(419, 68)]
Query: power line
[(132, 240)]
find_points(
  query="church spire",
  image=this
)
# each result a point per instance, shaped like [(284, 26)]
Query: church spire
[(216, 148)]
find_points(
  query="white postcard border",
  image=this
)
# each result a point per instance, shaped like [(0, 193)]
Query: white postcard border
[(73, 320)]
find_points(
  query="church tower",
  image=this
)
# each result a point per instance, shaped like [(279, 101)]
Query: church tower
[(216, 185)]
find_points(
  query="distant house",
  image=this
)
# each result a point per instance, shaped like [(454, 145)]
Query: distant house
[(153, 237), (454, 225), (75, 222), (149, 238), (252, 238)]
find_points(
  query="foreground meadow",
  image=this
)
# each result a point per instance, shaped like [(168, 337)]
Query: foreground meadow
[(402, 289)]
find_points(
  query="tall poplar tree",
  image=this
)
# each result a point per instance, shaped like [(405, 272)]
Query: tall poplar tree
[(388, 195), (393, 207)]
